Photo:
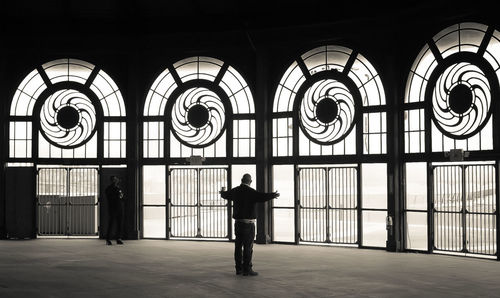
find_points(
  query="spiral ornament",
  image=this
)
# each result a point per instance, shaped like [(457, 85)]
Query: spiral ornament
[(68, 118), (461, 100), (327, 112), (198, 117)]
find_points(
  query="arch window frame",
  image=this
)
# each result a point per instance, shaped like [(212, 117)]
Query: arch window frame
[(34, 131), (468, 46), (236, 137), (351, 69)]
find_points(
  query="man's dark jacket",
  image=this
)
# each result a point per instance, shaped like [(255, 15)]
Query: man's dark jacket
[(244, 199), (113, 194)]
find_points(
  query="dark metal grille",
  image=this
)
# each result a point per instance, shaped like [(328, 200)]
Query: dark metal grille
[(196, 208), (464, 202), (67, 201), (328, 205)]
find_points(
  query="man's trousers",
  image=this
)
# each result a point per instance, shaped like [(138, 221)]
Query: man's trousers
[(245, 234)]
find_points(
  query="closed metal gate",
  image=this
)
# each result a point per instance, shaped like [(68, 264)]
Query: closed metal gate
[(196, 208), (464, 209), (328, 204), (67, 201)]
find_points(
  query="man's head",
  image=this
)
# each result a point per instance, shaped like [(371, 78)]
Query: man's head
[(114, 179), (246, 179)]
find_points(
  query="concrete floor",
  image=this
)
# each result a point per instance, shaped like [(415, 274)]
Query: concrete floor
[(157, 268)]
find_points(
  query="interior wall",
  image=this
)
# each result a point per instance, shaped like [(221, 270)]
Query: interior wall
[(133, 44)]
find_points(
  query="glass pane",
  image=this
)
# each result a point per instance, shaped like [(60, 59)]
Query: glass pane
[(416, 186), (114, 130), (24, 98), (292, 82), (374, 187), (183, 221), (20, 130), (416, 230), (480, 188), (374, 232), (481, 233), (283, 182), (154, 222), (283, 225), (154, 185), (20, 149), (221, 146), (91, 147), (114, 148), (152, 149), (344, 226), (243, 148), (342, 187), (57, 70)]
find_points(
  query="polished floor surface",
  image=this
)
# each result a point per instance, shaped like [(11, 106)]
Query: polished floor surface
[(157, 268)]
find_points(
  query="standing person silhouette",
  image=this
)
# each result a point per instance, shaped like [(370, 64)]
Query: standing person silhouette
[(116, 210), (244, 212)]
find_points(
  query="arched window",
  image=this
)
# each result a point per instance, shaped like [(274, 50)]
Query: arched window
[(330, 103), (449, 111), (205, 107), (67, 108), (198, 136), (329, 90), (453, 83)]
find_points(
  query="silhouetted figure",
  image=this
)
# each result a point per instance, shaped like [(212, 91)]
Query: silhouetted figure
[(116, 210), (244, 212)]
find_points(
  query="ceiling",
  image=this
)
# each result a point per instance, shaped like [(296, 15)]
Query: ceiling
[(224, 15)]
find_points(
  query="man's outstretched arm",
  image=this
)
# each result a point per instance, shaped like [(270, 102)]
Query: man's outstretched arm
[(265, 196), (226, 195)]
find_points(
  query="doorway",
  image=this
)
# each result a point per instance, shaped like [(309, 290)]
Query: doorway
[(195, 207), (328, 204), (67, 201), (464, 208)]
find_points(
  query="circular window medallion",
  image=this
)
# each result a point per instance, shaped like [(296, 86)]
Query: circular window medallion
[(327, 112), (461, 100), (68, 118), (198, 117)]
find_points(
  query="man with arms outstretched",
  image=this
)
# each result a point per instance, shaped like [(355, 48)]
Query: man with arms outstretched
[(244, 200)]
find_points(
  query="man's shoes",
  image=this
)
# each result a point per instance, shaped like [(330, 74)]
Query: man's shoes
[(119, 241), (238, 272), (108, 242), (250, 273)]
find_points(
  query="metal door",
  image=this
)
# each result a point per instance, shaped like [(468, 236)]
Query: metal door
[(67, 200), (328, 205), (196, 208), (464, 208)]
